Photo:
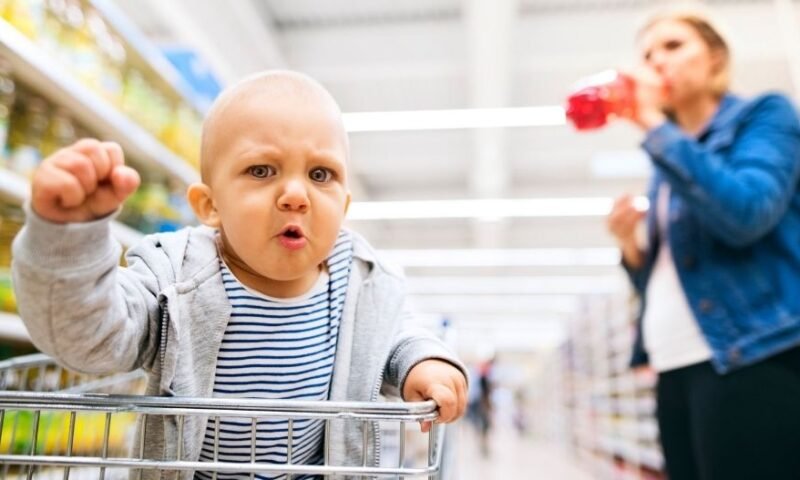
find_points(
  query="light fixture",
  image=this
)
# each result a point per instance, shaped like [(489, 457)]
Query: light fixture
[(488, 257), (482, 208), (477, 305), (517, 285), (454, 119)]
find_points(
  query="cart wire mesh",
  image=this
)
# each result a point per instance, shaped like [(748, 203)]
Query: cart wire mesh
[(55, 423)]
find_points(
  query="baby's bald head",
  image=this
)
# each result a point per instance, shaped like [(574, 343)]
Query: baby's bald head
[(267, 88)]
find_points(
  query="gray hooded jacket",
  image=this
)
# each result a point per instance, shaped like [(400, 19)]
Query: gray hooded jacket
[(167, 312)]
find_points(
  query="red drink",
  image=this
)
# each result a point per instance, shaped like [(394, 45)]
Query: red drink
[(598, 97)]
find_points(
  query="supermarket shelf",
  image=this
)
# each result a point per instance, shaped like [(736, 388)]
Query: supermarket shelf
[(612, 406), (649, 456), (16, 189), (39, 70), (13, 187), (12, 329), (652, 458), (136, 40)]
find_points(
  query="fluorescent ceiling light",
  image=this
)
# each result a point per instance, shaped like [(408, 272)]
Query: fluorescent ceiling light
[(489, 208), (494, 305), (516, 285), (454, 119), (482, 208), (486, 257)]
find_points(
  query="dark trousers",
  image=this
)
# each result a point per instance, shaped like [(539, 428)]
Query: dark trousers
[(742, 425)]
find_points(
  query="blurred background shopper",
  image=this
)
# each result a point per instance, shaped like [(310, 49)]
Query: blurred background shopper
[(720, 267)]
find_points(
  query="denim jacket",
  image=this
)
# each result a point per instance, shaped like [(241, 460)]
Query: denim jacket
[(734, 227)]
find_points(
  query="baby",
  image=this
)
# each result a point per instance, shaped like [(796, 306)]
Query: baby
[(270, 298)]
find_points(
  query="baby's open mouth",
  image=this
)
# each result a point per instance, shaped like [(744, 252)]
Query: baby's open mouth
[(292, 232), (292, 237)]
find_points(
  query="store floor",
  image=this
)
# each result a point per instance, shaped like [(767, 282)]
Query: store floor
[(511, 456)]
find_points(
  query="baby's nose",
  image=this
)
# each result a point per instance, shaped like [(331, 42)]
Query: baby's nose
[(294, 197)]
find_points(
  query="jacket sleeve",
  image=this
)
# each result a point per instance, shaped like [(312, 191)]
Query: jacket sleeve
[(741, 195), (411, 346), (78, 305), (637, 276)]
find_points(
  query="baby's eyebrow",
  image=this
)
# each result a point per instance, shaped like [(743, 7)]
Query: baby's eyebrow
[(259, 153), (326, 156)]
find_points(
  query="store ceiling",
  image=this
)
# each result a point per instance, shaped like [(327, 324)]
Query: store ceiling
[(446, 54)]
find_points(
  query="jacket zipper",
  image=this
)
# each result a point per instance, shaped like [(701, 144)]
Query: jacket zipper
[(376, 431), (376, 390), (164, 333)]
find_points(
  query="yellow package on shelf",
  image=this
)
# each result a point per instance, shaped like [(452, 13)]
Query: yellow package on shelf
[(53, 432), (8, 301), (25, 15)]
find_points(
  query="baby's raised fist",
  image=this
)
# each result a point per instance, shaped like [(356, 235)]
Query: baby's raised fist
[(82, 182)]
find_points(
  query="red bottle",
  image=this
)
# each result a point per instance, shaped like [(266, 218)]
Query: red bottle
[(598, 97)]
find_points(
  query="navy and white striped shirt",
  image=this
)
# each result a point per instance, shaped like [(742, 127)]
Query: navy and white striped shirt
[(278, 349)]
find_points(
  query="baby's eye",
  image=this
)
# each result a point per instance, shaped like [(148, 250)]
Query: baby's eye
[(320, 175), (261, 171)]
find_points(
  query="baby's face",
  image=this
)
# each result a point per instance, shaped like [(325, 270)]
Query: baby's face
[(279, 184)]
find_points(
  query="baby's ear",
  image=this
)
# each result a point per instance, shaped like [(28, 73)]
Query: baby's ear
[(199, 196), (347, 202)]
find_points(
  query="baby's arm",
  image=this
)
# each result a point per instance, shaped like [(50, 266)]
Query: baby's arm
[(76, 305)]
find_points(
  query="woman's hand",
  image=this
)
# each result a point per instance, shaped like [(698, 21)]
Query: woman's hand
[(622, 221)]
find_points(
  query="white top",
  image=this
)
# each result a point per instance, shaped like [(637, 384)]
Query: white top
[(278, 348), (672, 336)]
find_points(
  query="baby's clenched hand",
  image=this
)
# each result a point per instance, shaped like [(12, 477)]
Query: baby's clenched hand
[(441, 382), (82, 182)]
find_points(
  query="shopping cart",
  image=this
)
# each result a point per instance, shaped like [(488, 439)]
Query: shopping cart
[(59, 424)]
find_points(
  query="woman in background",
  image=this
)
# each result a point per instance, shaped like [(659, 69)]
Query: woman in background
[(719, 277)]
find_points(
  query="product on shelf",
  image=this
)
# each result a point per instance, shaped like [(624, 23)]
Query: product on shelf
[(8, 301), (27, 16), (183, 134), (150, 210), (28, 127), (112, 78), (17, 432), (60, 132), (99, 57), (11, 221), (7, 96), (144, 103), (54, 19), (36, 130), (78, 47)]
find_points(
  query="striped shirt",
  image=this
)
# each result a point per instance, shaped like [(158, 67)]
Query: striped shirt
[(278, 349)]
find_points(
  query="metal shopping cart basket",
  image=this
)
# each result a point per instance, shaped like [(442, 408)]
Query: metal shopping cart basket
[(55, 423)]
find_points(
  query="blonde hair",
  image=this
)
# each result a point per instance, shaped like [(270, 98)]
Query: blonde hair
[(705, 28)]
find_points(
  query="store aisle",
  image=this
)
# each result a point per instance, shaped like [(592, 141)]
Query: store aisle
[(512, 456)]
